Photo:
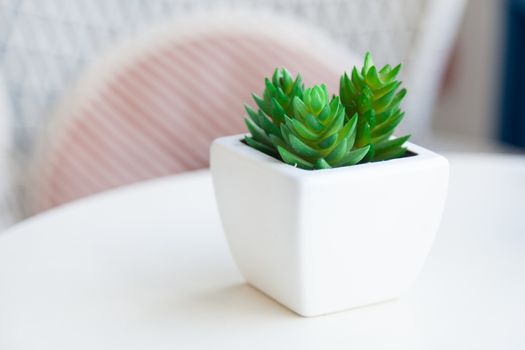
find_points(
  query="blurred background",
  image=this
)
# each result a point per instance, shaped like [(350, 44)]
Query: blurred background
[(96, 94)]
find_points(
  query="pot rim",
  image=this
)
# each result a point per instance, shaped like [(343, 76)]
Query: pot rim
[(235, 144)]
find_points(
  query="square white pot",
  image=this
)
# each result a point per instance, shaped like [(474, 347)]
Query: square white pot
[(328, 240)]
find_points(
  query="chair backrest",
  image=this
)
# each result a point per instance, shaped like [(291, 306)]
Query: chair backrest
[(153, 106)]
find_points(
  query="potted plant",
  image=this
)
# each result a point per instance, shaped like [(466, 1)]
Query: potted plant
[(324, 210)]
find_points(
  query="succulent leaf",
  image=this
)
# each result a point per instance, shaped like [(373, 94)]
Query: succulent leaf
[(302, 148), (335, 125), (388, 145), (396, 153), (293, 159), (369, 63), (353, 157), (392, 74), (257, 133), (328, 142), (388, 125), (301, 130), (260, 146), (268, 126), (321, 164), (339, 151)]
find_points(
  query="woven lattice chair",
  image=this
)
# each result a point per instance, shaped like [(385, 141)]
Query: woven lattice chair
[(153, 107)]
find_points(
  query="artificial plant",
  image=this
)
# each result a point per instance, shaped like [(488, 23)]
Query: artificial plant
[(308, 129), (375, 96)]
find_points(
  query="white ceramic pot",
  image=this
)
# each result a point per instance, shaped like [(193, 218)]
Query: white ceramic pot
[(328, 240)]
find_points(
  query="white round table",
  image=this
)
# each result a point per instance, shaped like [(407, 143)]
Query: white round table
[(147, 267)]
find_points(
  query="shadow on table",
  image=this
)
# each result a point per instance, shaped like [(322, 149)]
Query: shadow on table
[(238, 301)]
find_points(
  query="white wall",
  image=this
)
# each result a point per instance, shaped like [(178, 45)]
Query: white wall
[(6, 209)]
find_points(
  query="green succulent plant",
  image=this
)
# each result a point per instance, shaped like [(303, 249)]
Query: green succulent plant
[(279, 94), (308, 129), (316, 135), (375, 96), (275, 103)]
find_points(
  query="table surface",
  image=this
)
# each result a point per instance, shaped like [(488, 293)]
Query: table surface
[(147, 267)]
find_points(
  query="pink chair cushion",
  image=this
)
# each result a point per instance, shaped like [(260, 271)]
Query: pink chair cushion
[(158, 114)]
